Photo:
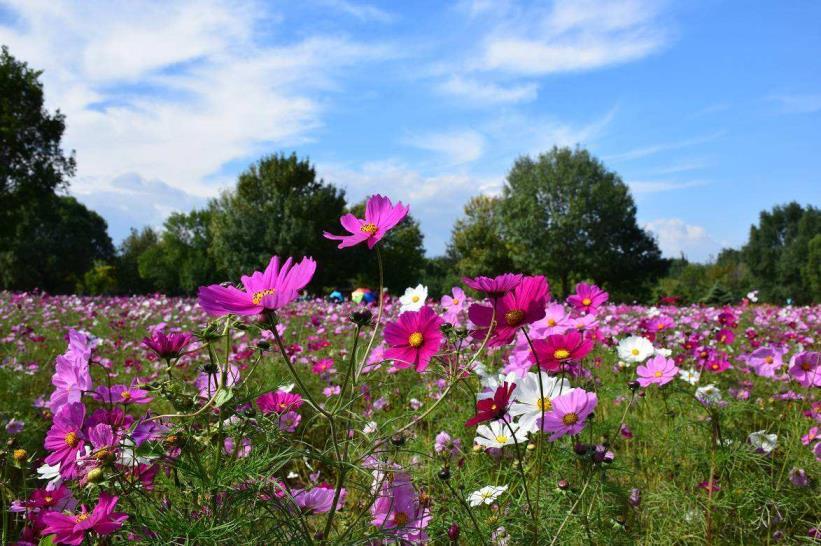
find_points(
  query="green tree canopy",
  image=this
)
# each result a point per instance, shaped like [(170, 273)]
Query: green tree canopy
[(129, 279), (565, 215), (476, 246), (54, 245), (32, 163), (778, 252), (278, 207)]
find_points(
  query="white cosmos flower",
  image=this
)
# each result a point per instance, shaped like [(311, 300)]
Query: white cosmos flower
[(763, 441), (52, 474), (370, 428), (414, 298), (528, 402), (663, 352), (635, 349), (691, 376), (708, 395), (753, 296), (497, 434), (286, 388), (486, 495)]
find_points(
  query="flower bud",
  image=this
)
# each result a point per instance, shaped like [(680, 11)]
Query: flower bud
[(398, 440), (19, 455), (95, 475), (453, 532), (564, 485), (444, 474), (633, 385), (361, 318), (635, 497)]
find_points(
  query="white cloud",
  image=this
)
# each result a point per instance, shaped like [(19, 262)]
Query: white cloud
[(174, 91), (488, 93), (655, 186), (363, 12), (676, 237), (459, 147), (644, 151)]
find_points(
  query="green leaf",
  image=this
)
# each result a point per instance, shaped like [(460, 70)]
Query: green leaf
[(223, 396), (47, 541)]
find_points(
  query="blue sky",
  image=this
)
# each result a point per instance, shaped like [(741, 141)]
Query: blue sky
[(709, 110)]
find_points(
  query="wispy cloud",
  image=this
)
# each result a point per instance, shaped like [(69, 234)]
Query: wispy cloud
[(459, 147), (488, 92), (361, 11), (637, 153), (655, 186), (798, 103)]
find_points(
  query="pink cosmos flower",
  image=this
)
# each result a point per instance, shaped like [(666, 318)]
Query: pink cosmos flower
[(318, 500), (208, 383), (804, 368), (414, 338), (168, 346), (569, 413), (725, 336), (398, 510), (588, 297), (524, 305), (717, 363), (72, 528), (765, 361), (274, 288), (380, 216), (454, 304), (494, 287), (658, 370), (122, 394), (65, 438), (557, 350), (278, 402), (242, 451)]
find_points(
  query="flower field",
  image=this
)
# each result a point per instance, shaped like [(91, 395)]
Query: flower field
[(255, 414)]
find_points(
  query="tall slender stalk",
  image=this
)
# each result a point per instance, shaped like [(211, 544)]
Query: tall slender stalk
[(522, 472)]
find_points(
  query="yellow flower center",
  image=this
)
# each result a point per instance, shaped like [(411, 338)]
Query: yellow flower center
[(72, 439), (544, 404), (634, 352), (400, 519), (768, 360), (586, 302), (257, 297), (806, 366), (103, 454), (455, 301), (514, 317), (368, 228), (660, 326), (125, 395), (570, 419), (415, 298), (502, 439), (561, 354), (82, 517), (48, 499), (551, 322), (416, 339), (658, 373)]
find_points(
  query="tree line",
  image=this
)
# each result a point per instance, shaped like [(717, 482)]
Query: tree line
[(562, 214)]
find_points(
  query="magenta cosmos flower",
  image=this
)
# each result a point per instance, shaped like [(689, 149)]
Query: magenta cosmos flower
[(278, 402), (804, 368), (588, 297), (414, 338), (318, 500), (72, 528), (168, 346), (658, 370), (65, 438), (494, 287), (399, 511), (380, 216), (274, 288), (557, 350), (524, 305), (569, 413)]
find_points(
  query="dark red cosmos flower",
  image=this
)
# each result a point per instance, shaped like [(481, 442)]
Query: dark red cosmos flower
[(496, 286), (494, 408)]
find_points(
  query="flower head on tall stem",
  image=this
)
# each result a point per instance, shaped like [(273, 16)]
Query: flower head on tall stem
[(525, 304), (168, 346), (380, 216), (557, 350), (72, 528), (588, 297), (491, 409), (263, 291), (413, 338), (494, 287), (658, 370), (569, 413)]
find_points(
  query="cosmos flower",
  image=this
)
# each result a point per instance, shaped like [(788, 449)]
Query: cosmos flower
[(588, 297), (658, 370), (65, 438), (494, 287), (122, 394), (272, 289), (709, 395), (486, 495), (413, 299), (635, 349), (569, 413), (762, 441), (490, 409), (530, 401), (559, 349), (453, 304), (413, 338), (765, 361), (72, 528), (398, 510), (168, 346), (690, 376), (318, 500), (525, 304), (804, 368), (497, 434), (380, 217), (278, 402)]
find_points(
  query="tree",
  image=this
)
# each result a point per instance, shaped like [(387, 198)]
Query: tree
[(32, 163), (403, 255), (278, 207), (718, 295), (778, 251), (565, 215), (129, 279), (54, 245), (476, 246), (179, 263), (811, 272)]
